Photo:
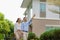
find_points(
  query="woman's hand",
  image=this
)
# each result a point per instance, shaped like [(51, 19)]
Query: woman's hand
[(20, 32)]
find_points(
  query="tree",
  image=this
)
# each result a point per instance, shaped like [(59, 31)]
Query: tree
[(6, 26), (3, 24), (10, 23)]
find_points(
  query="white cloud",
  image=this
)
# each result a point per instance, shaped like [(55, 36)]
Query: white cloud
[(11, 9)]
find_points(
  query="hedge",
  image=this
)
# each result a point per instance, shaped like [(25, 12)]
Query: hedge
[(32, 36), (51, 35)]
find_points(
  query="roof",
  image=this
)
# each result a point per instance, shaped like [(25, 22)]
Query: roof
[(25, 3)]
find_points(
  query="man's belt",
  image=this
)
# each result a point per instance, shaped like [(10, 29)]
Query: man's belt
[(25, 31)]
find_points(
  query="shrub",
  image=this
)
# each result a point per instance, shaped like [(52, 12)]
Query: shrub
[(31, 36), (51, 35)]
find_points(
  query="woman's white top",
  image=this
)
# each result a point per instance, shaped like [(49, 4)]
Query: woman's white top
[(17, 27)]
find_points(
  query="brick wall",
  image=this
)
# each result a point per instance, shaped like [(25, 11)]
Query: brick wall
[(39, 25)]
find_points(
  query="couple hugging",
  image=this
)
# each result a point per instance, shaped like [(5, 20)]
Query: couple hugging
[(21, 28)]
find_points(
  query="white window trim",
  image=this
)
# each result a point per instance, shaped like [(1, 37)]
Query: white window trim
[(52, 25), (46, 18), (44, 2)]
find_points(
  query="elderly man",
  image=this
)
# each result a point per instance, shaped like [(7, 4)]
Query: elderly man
[(25, 27)]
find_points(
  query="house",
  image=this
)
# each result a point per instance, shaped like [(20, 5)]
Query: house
[(45, 19)]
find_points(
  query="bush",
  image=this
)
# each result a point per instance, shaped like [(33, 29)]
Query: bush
[(51, 35), (32, 36)]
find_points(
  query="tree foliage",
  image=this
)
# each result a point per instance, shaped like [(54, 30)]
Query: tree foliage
[(10, 23), (3, 24), (6, 26)]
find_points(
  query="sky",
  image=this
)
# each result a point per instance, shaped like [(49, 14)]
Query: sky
[(11, 9)]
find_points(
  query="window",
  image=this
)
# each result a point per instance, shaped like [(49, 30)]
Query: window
[(42, 9)]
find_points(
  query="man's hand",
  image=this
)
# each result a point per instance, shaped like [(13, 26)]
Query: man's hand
[(33, 16)]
